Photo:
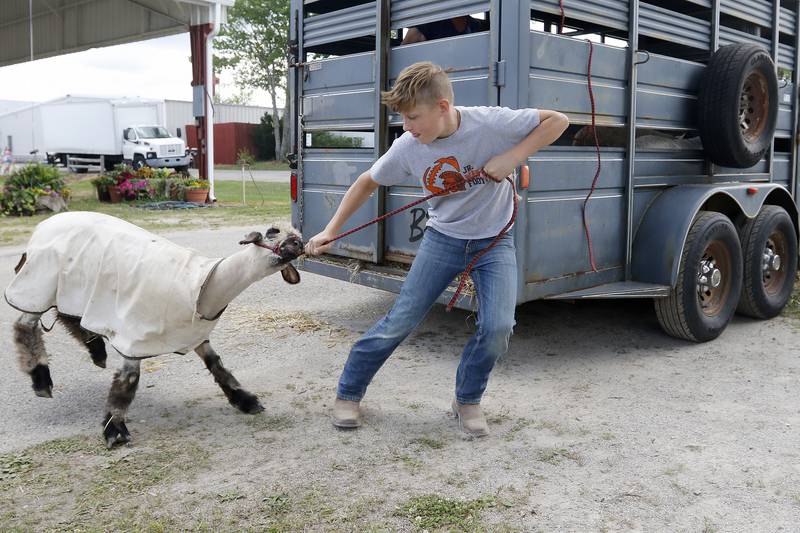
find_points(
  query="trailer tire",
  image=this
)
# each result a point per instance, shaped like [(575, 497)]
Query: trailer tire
[(738, 105), (769, 249), (704, 299), (138, 162)]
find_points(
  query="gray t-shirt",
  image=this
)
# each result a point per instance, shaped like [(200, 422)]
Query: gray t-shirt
[(483, 207)]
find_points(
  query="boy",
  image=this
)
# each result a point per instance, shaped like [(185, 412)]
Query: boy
[(441, 143)]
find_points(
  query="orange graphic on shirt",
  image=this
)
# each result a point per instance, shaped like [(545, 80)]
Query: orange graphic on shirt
[(444, 175)]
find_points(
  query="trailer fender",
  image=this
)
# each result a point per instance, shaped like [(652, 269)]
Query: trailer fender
[(660, 237)]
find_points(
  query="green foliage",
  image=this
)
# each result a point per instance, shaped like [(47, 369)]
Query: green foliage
[(253, 44), (327, 139), (253, 41), (244, 158), (264, 138), (433, 512), (25, 185)]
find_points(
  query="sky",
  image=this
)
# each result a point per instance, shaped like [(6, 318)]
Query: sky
[(157, 68)]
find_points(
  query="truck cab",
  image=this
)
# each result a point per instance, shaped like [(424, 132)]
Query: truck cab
[(152, 145)]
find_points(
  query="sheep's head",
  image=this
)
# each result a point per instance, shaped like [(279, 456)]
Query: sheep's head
[(285, 242)]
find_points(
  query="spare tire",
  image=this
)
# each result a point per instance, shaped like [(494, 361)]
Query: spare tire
[(738, 105)]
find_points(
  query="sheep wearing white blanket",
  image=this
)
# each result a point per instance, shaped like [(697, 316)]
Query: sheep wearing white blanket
[(143, 294)]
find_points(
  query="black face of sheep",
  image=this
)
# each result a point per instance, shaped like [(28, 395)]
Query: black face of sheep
[(84, 248)]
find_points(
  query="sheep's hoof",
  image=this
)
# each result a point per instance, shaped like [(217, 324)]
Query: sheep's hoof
[(115, 431), (42, 384), (246, 402)]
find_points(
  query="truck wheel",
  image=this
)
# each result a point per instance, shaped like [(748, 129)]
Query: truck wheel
[(738, 105), (184, 169), (138, 162), (703, 300), (769, 247)]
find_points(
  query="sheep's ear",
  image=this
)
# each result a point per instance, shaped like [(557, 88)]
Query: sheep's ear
[(253, 236), (272, 233), (290, 275)]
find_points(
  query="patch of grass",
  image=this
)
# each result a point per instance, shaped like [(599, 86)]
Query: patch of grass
[(229, 496), (267, 203), (92, 488), (275, 505), (555, 456), (411, 462), (518, 426), (431, 511), (262, 421), (14, 464), (427, 442), (499, 417)]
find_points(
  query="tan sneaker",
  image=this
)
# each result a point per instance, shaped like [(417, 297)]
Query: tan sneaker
[(346, 414), (470, 419)]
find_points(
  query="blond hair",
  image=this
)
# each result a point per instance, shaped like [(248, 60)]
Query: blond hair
[(420, 83)]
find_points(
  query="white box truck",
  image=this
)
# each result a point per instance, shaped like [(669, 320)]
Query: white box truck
[(82, 132)]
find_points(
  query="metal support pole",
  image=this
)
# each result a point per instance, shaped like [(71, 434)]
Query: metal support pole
[(633, 47)]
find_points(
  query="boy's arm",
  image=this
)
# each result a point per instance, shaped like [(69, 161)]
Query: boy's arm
[(356, 195), (551, 125)]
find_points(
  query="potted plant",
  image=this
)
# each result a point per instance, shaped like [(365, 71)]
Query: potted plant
[(103, 184), (197, 191)]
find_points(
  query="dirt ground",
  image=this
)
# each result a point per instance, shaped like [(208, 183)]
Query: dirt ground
[(599, 423)]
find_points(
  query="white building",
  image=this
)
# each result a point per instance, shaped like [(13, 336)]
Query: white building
[(179, 114)]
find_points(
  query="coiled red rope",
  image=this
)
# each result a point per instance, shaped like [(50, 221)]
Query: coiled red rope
[(468, 177), (597, 150), (596, 143)]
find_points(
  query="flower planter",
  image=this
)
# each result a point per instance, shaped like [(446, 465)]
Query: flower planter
[(102, 194), (196, 195), (114, 195)]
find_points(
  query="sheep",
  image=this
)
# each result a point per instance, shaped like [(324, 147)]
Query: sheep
[(119, 286)]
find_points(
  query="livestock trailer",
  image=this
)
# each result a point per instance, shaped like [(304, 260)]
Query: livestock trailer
[(690, 171)]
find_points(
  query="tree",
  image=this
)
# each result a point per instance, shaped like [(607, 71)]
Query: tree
[(243, 97), (254, 43)]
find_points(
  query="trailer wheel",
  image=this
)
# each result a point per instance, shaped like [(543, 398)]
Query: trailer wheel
[(703, 300), (138, 162), (738, 105), (769, 248)]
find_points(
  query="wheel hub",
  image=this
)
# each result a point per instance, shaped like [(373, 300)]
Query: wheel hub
[(713, 282), (710, 276), (772, 261), (753, 106)]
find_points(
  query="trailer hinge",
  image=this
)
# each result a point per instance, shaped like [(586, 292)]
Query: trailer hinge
[(499, 73)]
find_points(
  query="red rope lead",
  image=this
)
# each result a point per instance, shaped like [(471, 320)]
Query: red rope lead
[(468, 177), (465, 274), (597, 172)]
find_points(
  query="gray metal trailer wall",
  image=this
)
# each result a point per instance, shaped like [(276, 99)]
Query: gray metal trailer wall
[(515, 66)]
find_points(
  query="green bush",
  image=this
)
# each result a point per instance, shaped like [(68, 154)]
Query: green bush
[(28, 183), (264, 138)]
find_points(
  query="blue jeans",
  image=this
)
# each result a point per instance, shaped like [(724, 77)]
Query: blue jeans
[(439, 260)]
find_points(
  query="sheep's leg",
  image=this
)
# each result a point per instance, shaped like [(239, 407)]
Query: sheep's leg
[(95, 344), (123, 389), (241, 399), (32, 355)]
